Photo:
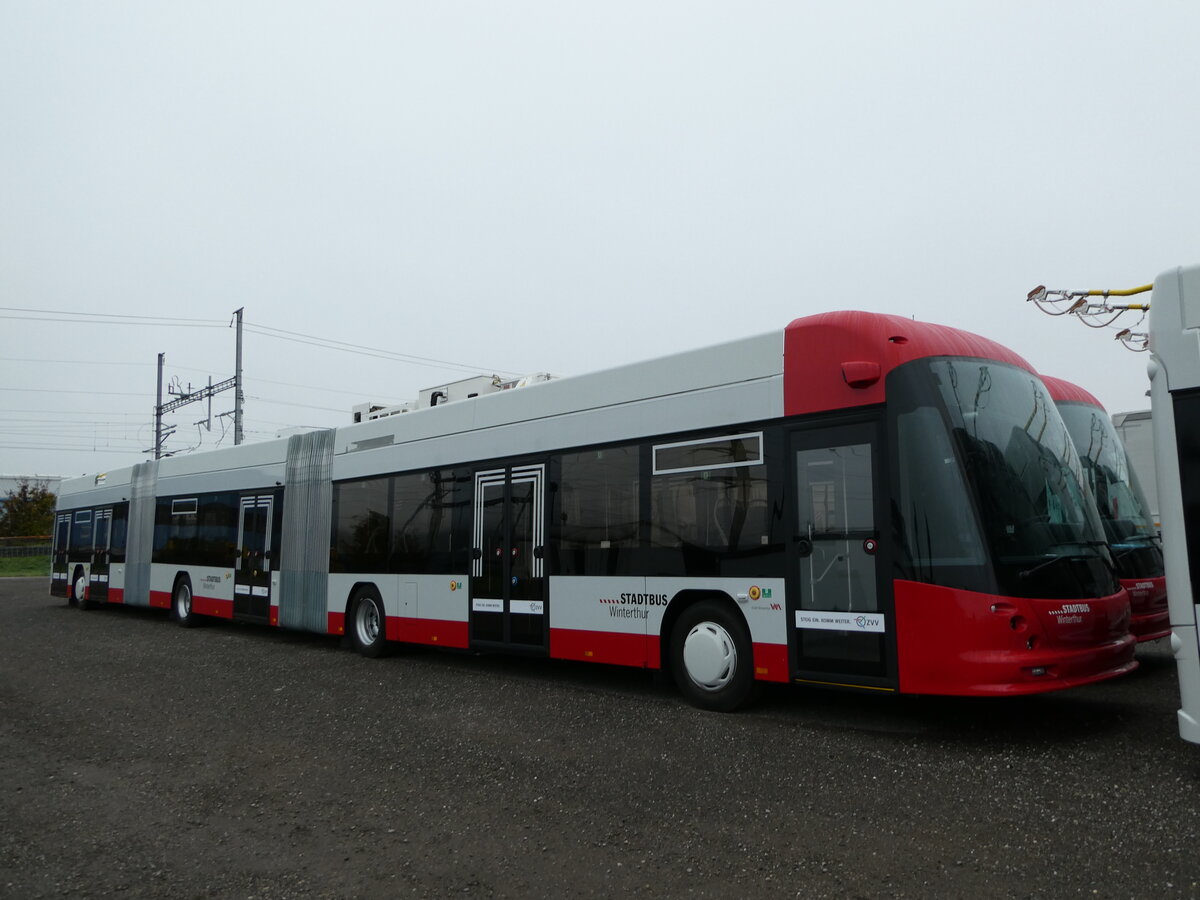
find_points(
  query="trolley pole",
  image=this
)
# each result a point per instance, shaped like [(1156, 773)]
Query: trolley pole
[(237, 382)]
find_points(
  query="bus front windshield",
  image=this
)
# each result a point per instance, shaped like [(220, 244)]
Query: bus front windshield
[(989, 491), (1122, 504)]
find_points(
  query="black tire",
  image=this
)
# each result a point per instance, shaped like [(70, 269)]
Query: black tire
[(181, 604), (368, 624), (79, 589), (712, 660)]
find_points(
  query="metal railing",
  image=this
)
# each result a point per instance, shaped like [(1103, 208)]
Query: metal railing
[(33, 545)]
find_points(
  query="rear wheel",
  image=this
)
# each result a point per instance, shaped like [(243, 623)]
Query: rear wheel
[(712, 659), (79, 589), (181, 604), (368, 624)]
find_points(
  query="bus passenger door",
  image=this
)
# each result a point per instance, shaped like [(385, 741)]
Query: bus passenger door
[(101, 540), (840, 603), (252, 571), (59, 576), (508, 602)]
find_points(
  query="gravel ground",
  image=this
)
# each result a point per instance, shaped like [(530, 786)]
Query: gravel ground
[(145, 760)]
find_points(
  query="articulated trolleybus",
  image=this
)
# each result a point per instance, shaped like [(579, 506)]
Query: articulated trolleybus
[(858, 501)]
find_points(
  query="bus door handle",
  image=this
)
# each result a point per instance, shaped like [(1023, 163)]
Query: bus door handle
[(804, 546)]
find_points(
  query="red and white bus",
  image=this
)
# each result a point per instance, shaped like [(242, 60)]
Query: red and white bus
[(859, 501), (1124, 510)]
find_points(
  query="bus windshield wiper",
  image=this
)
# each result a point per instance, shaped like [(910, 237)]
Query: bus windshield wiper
[(1091, 544), (1025, 573)]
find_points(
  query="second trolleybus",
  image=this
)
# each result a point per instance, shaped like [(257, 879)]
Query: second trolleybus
[(1128, 524), (857, 500)]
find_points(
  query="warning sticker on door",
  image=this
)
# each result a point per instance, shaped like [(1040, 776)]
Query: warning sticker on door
[(839, 621)]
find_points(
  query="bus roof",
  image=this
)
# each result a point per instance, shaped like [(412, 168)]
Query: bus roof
[(1066, 392), (841, 359)]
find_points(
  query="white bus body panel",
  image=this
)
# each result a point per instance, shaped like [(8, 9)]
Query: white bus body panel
[(636, 605), (1174, 366), (1136, 430), (414, 604)]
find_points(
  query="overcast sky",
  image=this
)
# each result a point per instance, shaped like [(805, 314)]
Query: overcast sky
[(552, 186)]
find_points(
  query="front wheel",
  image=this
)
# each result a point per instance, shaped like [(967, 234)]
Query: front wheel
[(181, 604), (712, 659), (368, 627)]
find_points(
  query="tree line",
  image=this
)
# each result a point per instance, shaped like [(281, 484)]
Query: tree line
[(28, 509)]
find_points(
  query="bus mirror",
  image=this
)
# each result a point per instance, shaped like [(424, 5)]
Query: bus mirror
[(860, 373)]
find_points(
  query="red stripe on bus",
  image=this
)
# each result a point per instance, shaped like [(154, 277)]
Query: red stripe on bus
[(160, 599), (211, 606), (116, 595), (771, 662), (274, 615), (335, 622), (604, 647), (435, 632)]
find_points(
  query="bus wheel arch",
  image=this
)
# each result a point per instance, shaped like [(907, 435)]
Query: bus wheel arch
[(181, 601), (366, 621), (709, 651)]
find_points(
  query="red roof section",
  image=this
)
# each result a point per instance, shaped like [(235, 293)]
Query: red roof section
[(841, 359), (1066, 392)]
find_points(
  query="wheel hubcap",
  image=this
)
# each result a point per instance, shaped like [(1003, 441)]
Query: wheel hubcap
[(184, 601), (710, 656), (368, 622)]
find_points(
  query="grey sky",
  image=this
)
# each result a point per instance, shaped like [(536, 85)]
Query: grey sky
[(560, 187)]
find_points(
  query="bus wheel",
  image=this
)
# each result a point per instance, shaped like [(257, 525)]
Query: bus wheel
[(711, 657), (368, 624), (80, 591), (181, 604)]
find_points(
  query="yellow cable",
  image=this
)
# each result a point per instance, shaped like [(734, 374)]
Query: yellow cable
[(1131, 291)]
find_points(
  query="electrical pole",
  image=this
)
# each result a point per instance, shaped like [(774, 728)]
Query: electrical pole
[(237, 382), (182, 397), (158, 411)]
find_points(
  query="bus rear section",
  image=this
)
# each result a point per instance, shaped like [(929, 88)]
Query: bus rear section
[(1124, 511)]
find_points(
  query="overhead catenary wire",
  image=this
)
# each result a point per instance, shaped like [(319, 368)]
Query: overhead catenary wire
[(149, 365), (376, 352), (31, 314), (115, 426), (112, 318), (92, 448)]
